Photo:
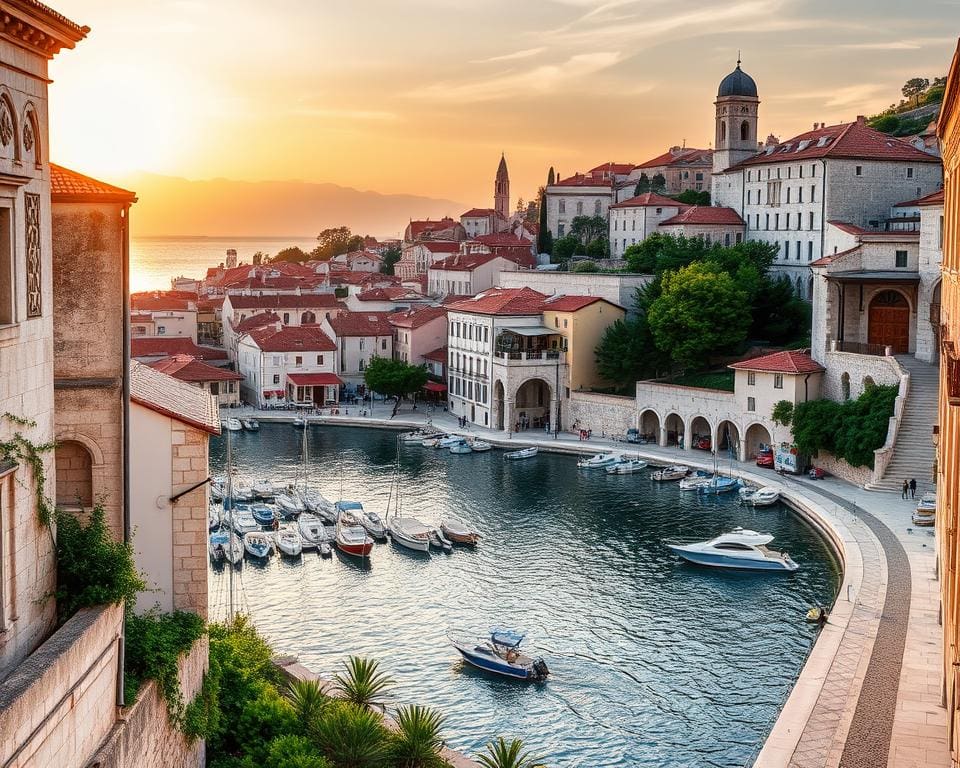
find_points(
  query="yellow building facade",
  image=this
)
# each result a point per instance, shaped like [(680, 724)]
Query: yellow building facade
[(582, 321)]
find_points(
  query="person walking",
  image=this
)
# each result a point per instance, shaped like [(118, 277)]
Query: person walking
[(904, 489), (913, 487)]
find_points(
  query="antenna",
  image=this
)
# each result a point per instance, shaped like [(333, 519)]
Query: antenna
[(738, 58)]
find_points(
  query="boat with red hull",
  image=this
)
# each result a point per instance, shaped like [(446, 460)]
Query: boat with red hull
[(353, 540)]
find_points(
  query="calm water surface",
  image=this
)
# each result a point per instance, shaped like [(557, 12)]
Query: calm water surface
[(653, 663)]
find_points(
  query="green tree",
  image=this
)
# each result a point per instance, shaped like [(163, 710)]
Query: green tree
[(390, 257), (627, 354), (504, 754), (782, 413), (394, 378), (700, 311), (564, 248), (334, 241), (598, 248), (658, 183), (779, 316), (934, 94), (294, 752), (418, 741), (544, 238), (659, 253), (585, 266), (352, 736), (551, 177), (588, 228), (693, 197), (886, 124), (914, 87), (290, 254), (643, 185)]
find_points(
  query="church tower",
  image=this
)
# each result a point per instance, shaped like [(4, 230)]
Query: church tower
[(501, 190), (736, 122)]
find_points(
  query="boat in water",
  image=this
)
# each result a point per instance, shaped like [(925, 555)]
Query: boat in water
[(432, 440), (353, 513), (671, 473), (449, 440), (717, 485), (626, 467), (250, 425), (289, 542), (694, 481), (601, 460), (500, 654), (479, 446), (523, 453), (760, 497), (741, 549), (242, 520), (461, 447), (353, 540), (439, 541), (458, 531), (299, 421), (225, 545), (258, 544), (417, 436), (311, 529), (264, 489), (233, 424), (213, 518), (264, 514), (290, 504), (410, 533)]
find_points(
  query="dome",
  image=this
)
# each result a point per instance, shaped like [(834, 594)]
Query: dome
[(737, 83)]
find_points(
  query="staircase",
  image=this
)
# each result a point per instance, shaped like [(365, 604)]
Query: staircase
[(913, 453)]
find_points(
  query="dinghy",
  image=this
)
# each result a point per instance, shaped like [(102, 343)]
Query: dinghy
[(410, 533), (601, 460), (417, 436), (668, 474), (479, 446), (694, 481), (263, 514), (289, 542), (439, 541), (243, 520), (461, 447), (251, 425), (457, 530), (523, 453), (233, 424), (500, 654), (627, 467), (760, 497), (311, 530)]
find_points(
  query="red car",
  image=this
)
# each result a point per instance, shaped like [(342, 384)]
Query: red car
[(765, 458), (703, 443)]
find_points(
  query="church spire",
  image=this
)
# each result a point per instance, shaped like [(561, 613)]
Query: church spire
[(501, 189)]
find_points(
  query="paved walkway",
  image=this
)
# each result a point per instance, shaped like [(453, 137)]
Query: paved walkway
[(869, 694)]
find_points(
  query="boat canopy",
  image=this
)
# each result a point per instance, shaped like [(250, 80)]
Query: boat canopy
[(532, 330), (508, 638), (349, 505)]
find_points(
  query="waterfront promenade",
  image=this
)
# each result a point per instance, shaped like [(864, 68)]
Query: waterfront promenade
[(883, 633)]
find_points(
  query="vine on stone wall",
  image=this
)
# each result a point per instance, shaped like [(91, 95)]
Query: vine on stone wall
[(19, 449)]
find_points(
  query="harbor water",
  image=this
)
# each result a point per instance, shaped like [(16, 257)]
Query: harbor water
[(653, 662)]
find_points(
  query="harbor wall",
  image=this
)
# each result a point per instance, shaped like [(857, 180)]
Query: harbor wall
[(606, 415)]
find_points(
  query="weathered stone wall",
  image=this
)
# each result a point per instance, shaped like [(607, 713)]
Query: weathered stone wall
[(883, 370), (190, 466), (606, 415), (839, 468), (60, 703)]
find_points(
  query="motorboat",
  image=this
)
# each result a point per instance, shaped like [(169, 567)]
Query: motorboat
[(213, 518), (263, 514), (458, 531), (233, 424), (325, 548), (417, 436), (523, 453), (439, 541), (243, 520), (299, 421), (461, 447), (225, 545), (353, 540), (289, 542), (311, 530), (314, 501), (353, 513), (927, 503), (718, 484), (741, 549), (264, 489), (449, 440), (627, 467), (348, 512), (479, 446), (694, 481), (671, 473), (601, 460), (760, 497), (500, 653), (290, 504), (250, 425), (410, 533), (431, 442), (258, 544)]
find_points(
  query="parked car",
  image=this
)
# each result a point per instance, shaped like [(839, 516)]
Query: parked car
[(702, 442), (765, 458)]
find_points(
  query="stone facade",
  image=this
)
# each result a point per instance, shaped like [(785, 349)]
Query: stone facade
[(606, 415), (848, 373), (619, 289)]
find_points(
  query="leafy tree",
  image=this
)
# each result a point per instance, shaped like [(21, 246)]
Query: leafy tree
[(934, 94), (260, 257), (544, 238), (659, 253), (864, 424), (658, 183), (782, 413), (815, 425), (521, 207), (334, 241), (564, 248), (532, 210), (693, 197), (390, 257), (643, 185), (394, 378), (294, 752), (914, 87), (589, 228), (701, 310), (598, 249), (886, 124), (627, 353), (551, 177), (290, 254), (779, 316), (586, 266)]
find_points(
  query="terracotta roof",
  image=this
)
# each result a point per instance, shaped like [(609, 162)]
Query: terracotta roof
[(285, 301), (620, 169), (163, 346), (896, 234), (71, 187), (362, 278), (572, 303), (152, 303), (141, 318), (258, 320), (687, 156), (705, 214), (855, 140), (649, 199), (293, 338), (314, 379), (176, 399), (934, 198), (361, 324), (188, 368), (478, 213), (440, 246), (825, 261), (502, 301), (439, 355), (502, 238), (415, 318), (583, 180), (209, 304), (790, 361), (417, 229), (464, 262)]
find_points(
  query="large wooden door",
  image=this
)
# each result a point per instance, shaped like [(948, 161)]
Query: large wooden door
[(889, 321)]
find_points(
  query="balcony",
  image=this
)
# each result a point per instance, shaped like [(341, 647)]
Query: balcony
[(531, 357), (860, 348)]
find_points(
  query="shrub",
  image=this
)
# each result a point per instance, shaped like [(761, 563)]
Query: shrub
[(363, 682), (418, 742), (294, 752), (782, 413), (262, 719), (503, 754), (351, 736), (307, 699), (586, 266)]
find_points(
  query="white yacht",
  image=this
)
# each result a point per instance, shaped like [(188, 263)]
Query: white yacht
[(740, 549), (601, 460)]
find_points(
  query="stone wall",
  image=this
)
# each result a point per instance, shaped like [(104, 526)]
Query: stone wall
[(839, 468), (190, 466), (883, 370), (606, 415), (60, 703)]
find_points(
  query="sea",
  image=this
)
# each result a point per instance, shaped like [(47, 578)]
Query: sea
[(155, 261)]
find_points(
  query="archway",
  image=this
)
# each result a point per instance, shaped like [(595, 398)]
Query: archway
[(868, 383), (673, 424), (498, 405), (757, 438), (700, 432), (532, 405), (744, 131), (74, 475), (889, 321), (650, 426), (799, 287), (728, 438), (308, 318), (845, 385)]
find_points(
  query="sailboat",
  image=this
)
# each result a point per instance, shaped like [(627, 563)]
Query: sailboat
[(310, 498), (408, 532)]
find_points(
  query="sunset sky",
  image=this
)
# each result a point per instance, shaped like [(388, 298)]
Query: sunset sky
[(421, 96)]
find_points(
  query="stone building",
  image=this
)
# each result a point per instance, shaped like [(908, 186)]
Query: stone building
[(712, 223), (501, 191), (619, 288), (358, 338), (417, 258), (682, 168), (417, 332), (466, 274), (635, 219), (581, 321), (222, 383), (481, 221), (585, 194)]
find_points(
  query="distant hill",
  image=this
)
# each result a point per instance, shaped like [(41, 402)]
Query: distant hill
[(174, 206), (913, 114)]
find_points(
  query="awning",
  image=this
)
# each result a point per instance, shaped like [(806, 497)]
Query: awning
[(314, 379), (874, 276), (435, 386), (533, 330), (273, 393)]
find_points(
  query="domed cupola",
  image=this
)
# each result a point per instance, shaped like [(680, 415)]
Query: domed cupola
[(736, 120), (737, 83)]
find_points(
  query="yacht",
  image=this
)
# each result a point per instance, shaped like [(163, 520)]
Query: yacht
[(741, 549), (601, 460), (627, 467), (675, 472), (233, 424), (760, 497)]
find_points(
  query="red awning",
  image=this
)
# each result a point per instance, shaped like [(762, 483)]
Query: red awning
[(314, 379), (433, 386)]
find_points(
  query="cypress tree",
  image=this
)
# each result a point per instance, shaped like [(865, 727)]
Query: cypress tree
[(551, 177), (544, 238)]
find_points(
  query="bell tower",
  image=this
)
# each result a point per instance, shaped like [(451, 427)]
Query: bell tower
[(501, 190), (736, 120)]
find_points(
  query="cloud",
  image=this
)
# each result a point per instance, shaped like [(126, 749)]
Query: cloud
[(525, 54), (838, 97)]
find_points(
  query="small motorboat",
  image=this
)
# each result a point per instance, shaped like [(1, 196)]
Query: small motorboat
[(417, 436), (258, 544), (353, 540), (523, 453), (458, 531), (264, 489), (439, 541), (299, 421), (817, 615), (290, 504), (461, 447), (668, 474), (601, 460), (760, 497), (242, 492), (311, 530), (740, 549), (289, 542), (225, 545), (449, 440), (627, 467), (213, 518), (263, 514), (348, 512), (244, 521), (500, 653), (479, 446), (692, 482), (717, 485), (314, 501), (410, 533), (233, 424), (250, 425), (353, 513), (431, 442)]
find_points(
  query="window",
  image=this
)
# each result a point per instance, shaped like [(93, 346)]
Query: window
[(901, 259), (362, 364), (813, 195), (744, 131), (810, 225), (298, 361), (286, 318), (799, 194), (726, 240), (813, 170), (909, 173), (559, 230), (562, 206), (564, 322), (8, 303), (596, 207), (556, 322), (800, 169), (276, 378), (858, 171), (786, 249), (749, 175), (776, 221), (161, 330), (698, 176), (767, 223), (74, 475), (940, 235), (756, 221), (773, 192), (214, 388), (778, 381), (486, 334), (810, 250), (752, 378), (751, 404), (739, 237), (579, 208), (799, 222), (799, 246), (383, 345), (788, 192)]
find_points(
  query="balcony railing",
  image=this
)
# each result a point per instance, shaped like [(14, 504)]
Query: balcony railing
[(860, 348), (536, 356)]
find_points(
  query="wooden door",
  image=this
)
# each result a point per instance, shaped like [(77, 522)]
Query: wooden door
[(889, 321)]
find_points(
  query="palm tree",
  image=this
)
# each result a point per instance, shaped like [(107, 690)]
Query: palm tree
[(363, 681), (504, 755), (418, 742), (307, 698), (351, 736)]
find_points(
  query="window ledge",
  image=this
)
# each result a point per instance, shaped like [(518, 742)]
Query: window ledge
[(9, 333)]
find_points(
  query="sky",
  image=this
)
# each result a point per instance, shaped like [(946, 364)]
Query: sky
[(422, 96)]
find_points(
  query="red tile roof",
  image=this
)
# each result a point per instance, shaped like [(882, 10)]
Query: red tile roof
[(502, 238), (825, 261), (649, 199), (188, 368), (393, 293), (791, 361), (895, 235), (153, 303), (583, 180), (362, 278), (361, 324), (439, 355), (259, 320), (464, 262), (502, 301), (934, 198), (314, 379), (210, 304), (141, 318), (572, 303), (478, 213), (619, 169), (71, 187), (686, 156), (286, 301), (417, 229), (176, 399), (162, 346), (292, 338), (705, 214), (417, 317), (440, 246)]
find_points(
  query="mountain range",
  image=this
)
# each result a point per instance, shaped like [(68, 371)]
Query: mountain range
[(173, 206)]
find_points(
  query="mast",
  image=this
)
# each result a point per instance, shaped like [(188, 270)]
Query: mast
[(231, 533)]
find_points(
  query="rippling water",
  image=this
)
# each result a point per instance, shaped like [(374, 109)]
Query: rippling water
[(653, 663)]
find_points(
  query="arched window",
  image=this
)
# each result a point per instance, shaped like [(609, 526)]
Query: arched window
[(74, 475), (799, 287), (845, 385), (723, 132), (744, 131), (596, 207), (868, 383), (308, 318)]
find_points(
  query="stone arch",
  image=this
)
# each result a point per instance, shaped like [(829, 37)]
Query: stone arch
[(799, 286), (308, 318), (868, 383), (74, 464), (728, 438), (31, 138), (699, 429), (745, 130), (674, 427), (756, 438), (649, 424), (499, 405), (531, 402), (9, 130), (845, 385), (888, 320)]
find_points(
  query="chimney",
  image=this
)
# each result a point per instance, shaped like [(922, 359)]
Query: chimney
[(861, 120), (816, 125)]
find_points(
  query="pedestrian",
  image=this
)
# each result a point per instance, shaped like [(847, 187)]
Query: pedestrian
[(913, 487), (904, 489)]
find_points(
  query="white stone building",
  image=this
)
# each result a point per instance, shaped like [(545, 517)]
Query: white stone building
[(712, 223), (291, 309), (618, 288), (482, 221), (682, 168), (584, 194), (636, 218), (417, 258), (292, 364), (359, 337), (467, 274)]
